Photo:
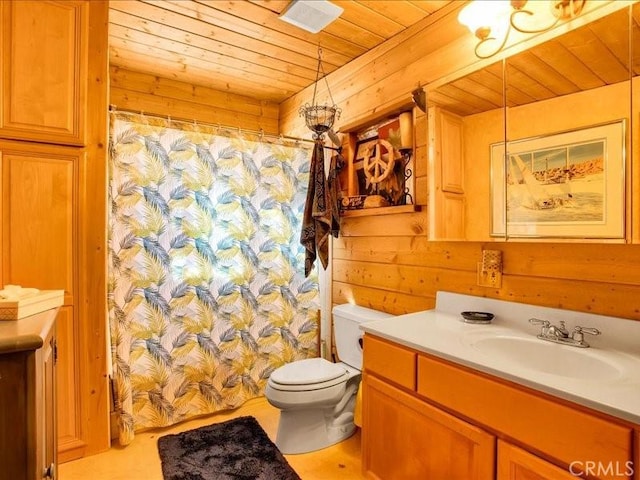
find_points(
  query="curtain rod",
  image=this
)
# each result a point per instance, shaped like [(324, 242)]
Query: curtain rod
[(260, 133)]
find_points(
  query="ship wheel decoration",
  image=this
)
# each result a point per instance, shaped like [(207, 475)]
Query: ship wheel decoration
[(379, 166)]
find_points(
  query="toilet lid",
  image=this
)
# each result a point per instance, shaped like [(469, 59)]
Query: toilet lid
[(307, 372)]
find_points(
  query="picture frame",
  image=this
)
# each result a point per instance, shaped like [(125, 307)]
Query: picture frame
[(568, 184)]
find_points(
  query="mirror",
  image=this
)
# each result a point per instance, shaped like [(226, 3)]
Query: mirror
[(464, 118), (565, 116), (567, 129), (634, 189)]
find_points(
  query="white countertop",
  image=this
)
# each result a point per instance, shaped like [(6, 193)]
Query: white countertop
[(443, 333)]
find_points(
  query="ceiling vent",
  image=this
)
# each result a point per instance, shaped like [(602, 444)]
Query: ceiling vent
[(311, 15)]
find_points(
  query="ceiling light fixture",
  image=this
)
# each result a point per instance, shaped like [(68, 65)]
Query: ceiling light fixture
[(320, 118), (491, 21), (311, 15)]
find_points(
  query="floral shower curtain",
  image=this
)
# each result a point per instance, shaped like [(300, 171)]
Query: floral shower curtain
[(207, 291)]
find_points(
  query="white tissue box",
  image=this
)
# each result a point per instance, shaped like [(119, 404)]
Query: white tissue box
[(24, 307)]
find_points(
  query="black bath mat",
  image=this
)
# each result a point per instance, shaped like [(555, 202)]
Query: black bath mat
[(237, 449)]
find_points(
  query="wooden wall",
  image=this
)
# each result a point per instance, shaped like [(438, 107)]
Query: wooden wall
[(143, 92), (387, 262)]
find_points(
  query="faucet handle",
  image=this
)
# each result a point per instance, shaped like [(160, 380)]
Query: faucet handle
[(589, 330), (537, 321), (545, 326), (578, 334)]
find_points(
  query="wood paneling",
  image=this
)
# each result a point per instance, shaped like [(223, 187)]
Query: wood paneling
[(244, 47), (593, 278), (92, 252), (433, 52), (144, 92), (387, 263)]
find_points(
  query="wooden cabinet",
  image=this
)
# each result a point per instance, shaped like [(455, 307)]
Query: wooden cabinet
[(43, 47), (53, 142), (39, 247), (28, 438), (517, 464), (522, 414), (405, 439), (425, 417), (446, 175)]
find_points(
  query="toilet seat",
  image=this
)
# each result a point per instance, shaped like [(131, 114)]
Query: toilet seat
[(308, 374)]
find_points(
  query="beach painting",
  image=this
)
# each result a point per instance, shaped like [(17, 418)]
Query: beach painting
[(565, 185)]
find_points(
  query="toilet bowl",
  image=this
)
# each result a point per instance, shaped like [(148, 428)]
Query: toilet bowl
[(316, 397)]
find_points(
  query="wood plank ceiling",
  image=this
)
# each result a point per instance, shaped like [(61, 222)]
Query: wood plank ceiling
[(242, 47), (593, 56)]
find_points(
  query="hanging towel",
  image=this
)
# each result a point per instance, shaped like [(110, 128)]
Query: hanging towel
[(320, 215), (334, 187), (357, 411)]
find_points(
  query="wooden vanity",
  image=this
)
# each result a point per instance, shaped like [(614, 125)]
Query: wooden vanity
[(426, 416), (28, 443)]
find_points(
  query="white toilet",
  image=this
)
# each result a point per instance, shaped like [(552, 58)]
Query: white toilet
[(316, 397)]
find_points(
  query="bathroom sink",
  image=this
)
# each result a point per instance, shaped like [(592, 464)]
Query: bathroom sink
[(550, 358)]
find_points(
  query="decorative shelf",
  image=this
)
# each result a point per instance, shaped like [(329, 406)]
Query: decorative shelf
[(366, 212)]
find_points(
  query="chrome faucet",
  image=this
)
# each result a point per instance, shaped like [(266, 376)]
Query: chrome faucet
[(559, 333)]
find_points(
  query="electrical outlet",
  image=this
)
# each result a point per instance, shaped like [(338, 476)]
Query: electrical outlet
[(490, 278)]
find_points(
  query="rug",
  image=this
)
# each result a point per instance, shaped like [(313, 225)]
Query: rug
[(237, 449)]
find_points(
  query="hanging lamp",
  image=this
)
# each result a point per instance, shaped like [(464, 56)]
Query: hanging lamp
[(320, 118)]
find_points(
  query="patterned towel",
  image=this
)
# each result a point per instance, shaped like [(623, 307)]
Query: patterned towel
[(321, 216)]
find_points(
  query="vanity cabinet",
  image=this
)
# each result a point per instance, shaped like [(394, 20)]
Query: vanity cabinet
[(28, 440), (43, 70), (406, 438), (438, 416)]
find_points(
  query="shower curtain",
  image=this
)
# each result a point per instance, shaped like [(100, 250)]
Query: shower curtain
[(207, 290)]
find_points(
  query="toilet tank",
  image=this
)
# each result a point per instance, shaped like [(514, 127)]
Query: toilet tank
[(346, 323)]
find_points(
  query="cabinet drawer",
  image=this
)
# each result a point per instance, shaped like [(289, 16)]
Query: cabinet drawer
[(555, 430), (390, 361)]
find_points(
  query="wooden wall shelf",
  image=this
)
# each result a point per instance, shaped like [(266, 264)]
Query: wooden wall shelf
[(365, 212)]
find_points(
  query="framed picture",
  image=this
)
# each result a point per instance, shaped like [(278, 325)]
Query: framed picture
[(565, 185)]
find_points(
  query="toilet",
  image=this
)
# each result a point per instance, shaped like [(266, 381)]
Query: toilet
[(316, 397)]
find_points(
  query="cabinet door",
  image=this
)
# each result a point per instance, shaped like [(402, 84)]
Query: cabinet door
[(517, 464), (405, 438), (39, 248), (446, 175), (16, 426), (46, 409), (43, 47)]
